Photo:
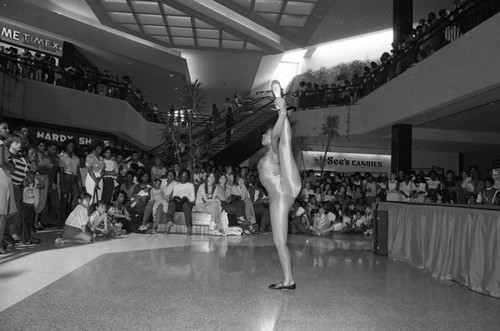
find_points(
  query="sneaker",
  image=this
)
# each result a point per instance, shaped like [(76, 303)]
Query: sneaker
[(247, 232), (59, 241)]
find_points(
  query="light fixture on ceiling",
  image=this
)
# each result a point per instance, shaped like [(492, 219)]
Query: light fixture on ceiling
[(171, 75)]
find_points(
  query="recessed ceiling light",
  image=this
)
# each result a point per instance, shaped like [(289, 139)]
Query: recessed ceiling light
[(492, 103), (171, 75), (176, 88)]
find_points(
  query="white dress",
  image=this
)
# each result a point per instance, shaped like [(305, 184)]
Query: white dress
[(392, 191)]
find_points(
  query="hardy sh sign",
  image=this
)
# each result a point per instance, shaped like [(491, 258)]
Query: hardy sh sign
[(347, 162), (60, 137), (25, 37)]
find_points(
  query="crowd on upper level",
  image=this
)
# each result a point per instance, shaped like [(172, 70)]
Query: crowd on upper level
[(48, 69), (431, 34)]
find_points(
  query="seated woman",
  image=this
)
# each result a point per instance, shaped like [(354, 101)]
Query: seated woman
[(234, 207), (157, 206), (207, 202), (183, 199), (321, 224), (74, 231), (121, 213), (128, 186), (240, 190), (138, 206)]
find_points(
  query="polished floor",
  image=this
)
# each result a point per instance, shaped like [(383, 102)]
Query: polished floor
[(173, 282)]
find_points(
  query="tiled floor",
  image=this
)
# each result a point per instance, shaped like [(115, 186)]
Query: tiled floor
[(173, 282)]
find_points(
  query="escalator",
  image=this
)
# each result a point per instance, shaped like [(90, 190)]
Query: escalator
[(251, 121)]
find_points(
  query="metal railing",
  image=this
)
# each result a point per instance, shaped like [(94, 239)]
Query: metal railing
[(88, 80), (464, 18), (213, 129)]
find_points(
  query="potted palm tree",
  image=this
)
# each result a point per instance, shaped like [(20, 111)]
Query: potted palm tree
[(330, 129)]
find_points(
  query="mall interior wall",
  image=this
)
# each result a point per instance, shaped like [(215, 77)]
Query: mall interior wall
[(45, 103), (454, 73)]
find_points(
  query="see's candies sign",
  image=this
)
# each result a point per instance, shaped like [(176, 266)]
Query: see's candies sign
[(348, 162)]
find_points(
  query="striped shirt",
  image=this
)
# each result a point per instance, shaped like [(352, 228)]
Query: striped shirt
[(21, 169)]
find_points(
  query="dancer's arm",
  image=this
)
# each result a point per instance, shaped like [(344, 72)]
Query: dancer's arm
[(278, 127)]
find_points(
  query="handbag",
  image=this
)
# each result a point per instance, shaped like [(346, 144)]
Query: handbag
[(41, 182), (233, 197)]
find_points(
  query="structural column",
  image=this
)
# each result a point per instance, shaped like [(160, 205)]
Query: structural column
[(402, 18), (401, 148)]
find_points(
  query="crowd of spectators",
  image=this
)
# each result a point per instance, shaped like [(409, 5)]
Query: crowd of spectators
[(55, 185), (345, 203), (48, 69), (100, 192), (431, 34)]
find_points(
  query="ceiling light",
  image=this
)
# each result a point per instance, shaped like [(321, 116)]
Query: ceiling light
[(171, 75)]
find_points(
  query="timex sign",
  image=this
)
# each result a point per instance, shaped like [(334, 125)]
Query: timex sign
[(27, 38)]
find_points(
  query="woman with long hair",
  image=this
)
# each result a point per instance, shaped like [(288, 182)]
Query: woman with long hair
[(207, 202), (280, 176), (232, 207)]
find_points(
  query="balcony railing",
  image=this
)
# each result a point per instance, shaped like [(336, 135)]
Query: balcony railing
[(90, 81), (446, 30)]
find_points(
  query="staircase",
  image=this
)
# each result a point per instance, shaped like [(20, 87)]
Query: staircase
[(251, 121), (246, 138)]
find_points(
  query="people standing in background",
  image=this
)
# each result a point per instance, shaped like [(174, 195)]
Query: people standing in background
[(20, 168), (109, 176), (51, 211), (215, 112), (44, 166), (7, 202), (71, 181), (407, 188), (392, 189), (229, 124), (95, 166), (489, 195)]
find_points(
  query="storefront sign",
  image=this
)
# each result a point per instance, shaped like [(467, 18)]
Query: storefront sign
[(28, 38), (348, 162), (60, 137)]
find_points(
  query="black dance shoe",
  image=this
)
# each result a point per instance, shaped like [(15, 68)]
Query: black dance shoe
[(281, 286)]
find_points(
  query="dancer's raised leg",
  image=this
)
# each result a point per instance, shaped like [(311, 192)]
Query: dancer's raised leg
[(290, 176)]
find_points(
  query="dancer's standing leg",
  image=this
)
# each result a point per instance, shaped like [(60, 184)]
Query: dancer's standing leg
[(283, 200)]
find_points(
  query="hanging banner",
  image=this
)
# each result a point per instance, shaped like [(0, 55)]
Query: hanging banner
[(25, 37), (348, 162)]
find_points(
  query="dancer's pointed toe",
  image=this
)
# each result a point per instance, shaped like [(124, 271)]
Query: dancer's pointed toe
[(276, 89)]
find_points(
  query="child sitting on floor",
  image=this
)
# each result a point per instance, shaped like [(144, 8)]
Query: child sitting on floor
[(76, 224), (98, 222), (115, 227)]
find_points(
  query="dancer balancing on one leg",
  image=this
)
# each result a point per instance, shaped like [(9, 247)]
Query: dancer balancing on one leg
[(280, 176)]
